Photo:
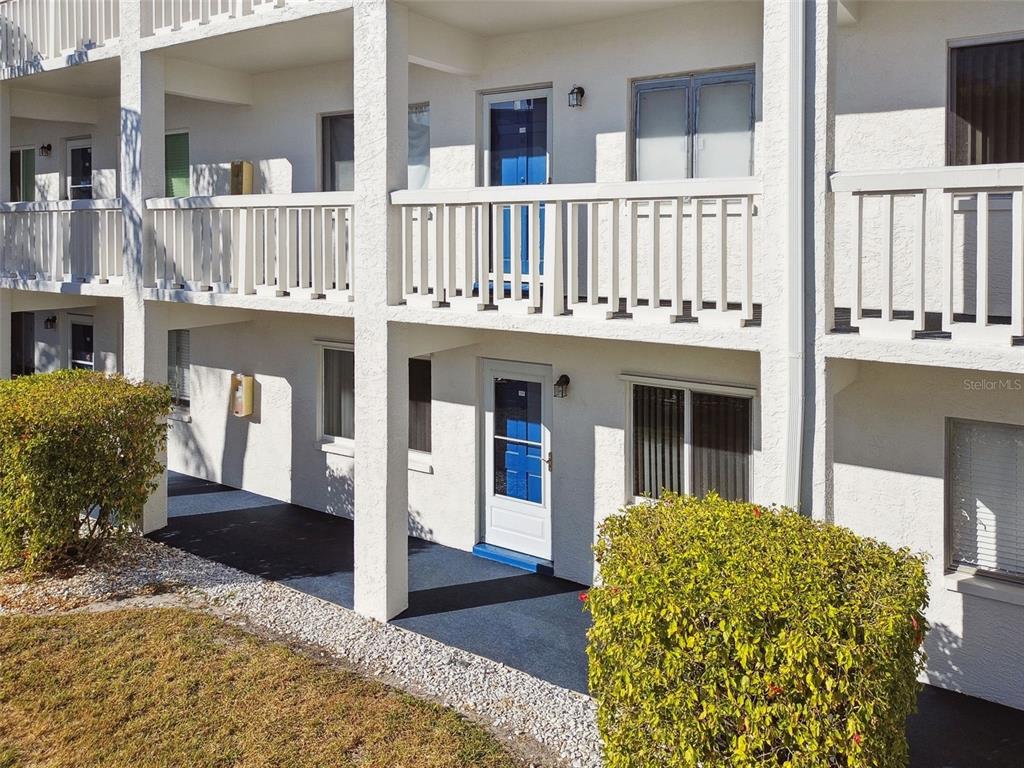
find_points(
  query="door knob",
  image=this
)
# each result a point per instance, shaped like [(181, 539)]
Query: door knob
[(550, 461)]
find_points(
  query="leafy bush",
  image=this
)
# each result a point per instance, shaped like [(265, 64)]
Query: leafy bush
[(79, 456), (727, 634)]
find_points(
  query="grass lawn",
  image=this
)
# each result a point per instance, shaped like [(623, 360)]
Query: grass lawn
[(169, 687)]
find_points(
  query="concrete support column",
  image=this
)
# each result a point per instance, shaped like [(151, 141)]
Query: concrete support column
[(141, 159), (380, 77), (819, 425), (780, 167)]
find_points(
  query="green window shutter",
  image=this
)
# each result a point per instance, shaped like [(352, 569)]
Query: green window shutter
[(176, 166), (28, 175)]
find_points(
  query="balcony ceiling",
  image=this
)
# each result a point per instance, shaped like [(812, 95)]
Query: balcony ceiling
[(96, 79), (300, 43), (505, 17)]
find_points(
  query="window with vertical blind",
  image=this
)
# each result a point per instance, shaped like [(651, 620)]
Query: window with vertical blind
[(23, 175), (179, 366), (337, 393), (986, 109), (985, 497), (689, 441), (699, 125), (419, 405), (177, 181), (337, 132), (419, 146)]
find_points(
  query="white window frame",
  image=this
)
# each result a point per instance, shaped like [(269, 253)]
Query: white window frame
[(423, 106), (191, 180), (951, 567), (488, 98), (688, 388), (343, 446), (182, 411), (693, 81), (21, 149), (69, 145), (321, 182)]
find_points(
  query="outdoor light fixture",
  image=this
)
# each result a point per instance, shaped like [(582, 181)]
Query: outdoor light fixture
[(576, 97), (562, 386), (45, 150), (50, 322)]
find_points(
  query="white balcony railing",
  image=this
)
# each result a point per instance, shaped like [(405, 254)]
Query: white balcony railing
[(932, 252), (160, 16), (298, 245), (659, 251), (32, 30), (62, 240)]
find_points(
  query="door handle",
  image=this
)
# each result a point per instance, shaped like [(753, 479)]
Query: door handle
[(550, 461)]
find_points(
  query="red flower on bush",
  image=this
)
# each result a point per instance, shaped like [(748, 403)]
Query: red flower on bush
[(584, 597), (774, 690), (758, 512), (857, 739)]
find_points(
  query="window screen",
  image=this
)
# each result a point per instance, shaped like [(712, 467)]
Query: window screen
[(986, 104), (176, 165), (694, 125), (179, 364), (337, 152), (658, 440), (339, 393), (23, 175), (419, 405), (986, 496), (419, 146), (721, 445)]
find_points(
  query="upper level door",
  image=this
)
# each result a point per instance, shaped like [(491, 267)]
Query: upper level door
[(79, 169), (517, 127)]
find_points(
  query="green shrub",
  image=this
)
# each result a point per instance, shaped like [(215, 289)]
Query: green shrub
[(79, 456), (727, 634)]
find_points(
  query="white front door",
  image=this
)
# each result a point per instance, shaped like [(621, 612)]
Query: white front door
[(517, 465)]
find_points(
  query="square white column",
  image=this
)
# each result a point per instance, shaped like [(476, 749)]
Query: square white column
[(380, 100)]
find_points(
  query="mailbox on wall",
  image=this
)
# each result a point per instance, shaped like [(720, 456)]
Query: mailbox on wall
[(241, 394)]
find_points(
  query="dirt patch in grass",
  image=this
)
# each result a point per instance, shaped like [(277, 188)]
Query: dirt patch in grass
[(170, 687)]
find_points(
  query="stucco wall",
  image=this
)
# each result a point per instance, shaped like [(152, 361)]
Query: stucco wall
[(279, 133), (275, 451), (889, 470), (51, 344), (890, 104)]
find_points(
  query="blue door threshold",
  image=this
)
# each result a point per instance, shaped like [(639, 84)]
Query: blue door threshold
[(515, 559)]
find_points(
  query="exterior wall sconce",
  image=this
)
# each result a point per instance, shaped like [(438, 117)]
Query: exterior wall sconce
[(576, 97), (45, 150), (562, 386), (50, 322)]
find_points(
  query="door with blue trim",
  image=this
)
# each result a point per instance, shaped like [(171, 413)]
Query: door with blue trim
[(518, 155), (518, 459)]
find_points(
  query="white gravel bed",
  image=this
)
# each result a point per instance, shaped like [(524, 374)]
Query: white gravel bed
[(515, 703)]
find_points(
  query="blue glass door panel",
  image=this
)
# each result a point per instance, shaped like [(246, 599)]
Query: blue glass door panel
[(519, 146), (518, 446)]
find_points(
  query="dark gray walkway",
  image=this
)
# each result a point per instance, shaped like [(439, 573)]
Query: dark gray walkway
[(533, 623)]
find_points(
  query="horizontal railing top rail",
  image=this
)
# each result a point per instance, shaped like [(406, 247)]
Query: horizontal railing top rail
[(161, 16), (60, 205), (584, 192), (965, 177), (290, 200)]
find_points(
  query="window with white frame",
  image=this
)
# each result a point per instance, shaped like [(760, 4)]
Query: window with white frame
[(419, 405), (698, 125), (985, 497), (179, 366), (688, 440), (337, 393)]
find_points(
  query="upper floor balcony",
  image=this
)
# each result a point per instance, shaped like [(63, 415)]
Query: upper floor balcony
[(37, 35)]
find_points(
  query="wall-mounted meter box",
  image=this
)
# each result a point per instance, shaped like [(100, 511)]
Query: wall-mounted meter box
[(241, 394)]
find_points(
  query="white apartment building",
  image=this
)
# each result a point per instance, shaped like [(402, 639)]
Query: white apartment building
[(486, 271)]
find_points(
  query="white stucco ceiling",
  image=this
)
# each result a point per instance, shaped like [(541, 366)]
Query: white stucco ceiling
[(490, 18), (95, 79)]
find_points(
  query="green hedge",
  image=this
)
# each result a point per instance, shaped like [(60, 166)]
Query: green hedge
[(79, 456), (727, 634)]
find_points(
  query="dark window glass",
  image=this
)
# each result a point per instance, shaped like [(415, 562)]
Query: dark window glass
[(23, 343), (986, 104), (80, 174), (419, 405), (179, 364), (721, 445), (339, 393), (337, 153), (658, 440), (81, 345)]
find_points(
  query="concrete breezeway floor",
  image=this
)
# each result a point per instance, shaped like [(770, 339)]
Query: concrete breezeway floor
[(528, 622)]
